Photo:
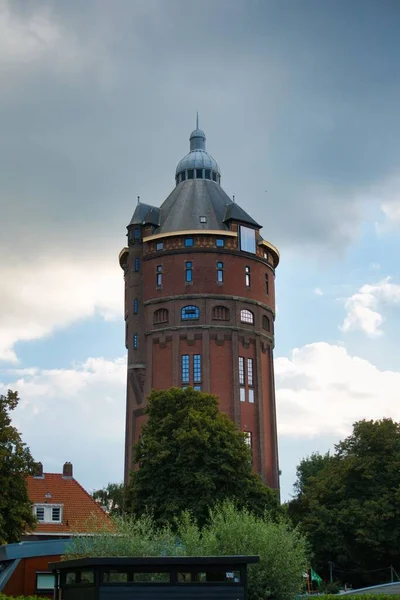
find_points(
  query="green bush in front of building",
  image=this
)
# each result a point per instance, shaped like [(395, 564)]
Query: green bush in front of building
[(3, 597)]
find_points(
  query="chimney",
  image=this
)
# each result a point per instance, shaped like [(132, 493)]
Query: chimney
[(38, 470), (67, 470)]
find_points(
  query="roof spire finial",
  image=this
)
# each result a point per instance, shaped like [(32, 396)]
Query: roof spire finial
[(233, 198), (138, 199), (197, 119)]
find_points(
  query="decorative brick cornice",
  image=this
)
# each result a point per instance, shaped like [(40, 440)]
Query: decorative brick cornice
[(219, 297)]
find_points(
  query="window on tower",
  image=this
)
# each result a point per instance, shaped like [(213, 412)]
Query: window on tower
[(220, 272), (185, 368), (266, 284), (136, 235), (266, 323), (250, 371), (199, 173), (188, 272), (160, 316), (135, 341), (189, 242), (220, 313), (190, 174), (247, 276), (207, 174), (135, 306), (137, 264), (246, 316), (241, 370), (196, 368), (247, 239), (159, 276), (190, 312), (160, 246), (247, 438), (220, 243)]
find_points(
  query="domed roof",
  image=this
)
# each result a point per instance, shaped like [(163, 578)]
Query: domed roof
[(197, 158)]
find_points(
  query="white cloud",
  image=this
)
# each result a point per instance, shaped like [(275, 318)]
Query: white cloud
[(318, 291), (322, 390), (40, 296), (74, 414), (364, 308)]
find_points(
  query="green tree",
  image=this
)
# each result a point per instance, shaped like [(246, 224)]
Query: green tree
[(191, 456), (350, 508), (111, 498), (16, 463)]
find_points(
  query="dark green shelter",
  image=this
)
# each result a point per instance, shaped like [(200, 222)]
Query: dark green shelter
[(153, 578)]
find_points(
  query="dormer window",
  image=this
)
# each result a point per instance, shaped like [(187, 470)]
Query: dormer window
[(48, 513), (247, 239), (203, 219), (207, 174)]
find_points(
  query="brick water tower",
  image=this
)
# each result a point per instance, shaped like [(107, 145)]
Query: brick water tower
[(200, 306)]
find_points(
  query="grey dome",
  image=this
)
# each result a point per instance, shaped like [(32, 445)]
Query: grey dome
[(198, 159)]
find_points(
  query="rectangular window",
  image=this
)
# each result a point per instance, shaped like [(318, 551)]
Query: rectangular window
[(197, 388), (136, 235), (185, 368), (251, 395), (250, 371), (220, 243), (137, 264), (266, 284), (40, 513), (196, 368), (247, 276), (241, 370), (220, 272), (203, 219), (135, 307), (44, 582), (199, 173), (247, 438), (189, 242), (207, 173), (188, 272), (135, 341), (159, 274), (56, 514), (242, 395), (160, 246), (247, 239), (190, 174)]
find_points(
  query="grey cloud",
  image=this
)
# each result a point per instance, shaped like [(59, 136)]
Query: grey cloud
[(299, 101)]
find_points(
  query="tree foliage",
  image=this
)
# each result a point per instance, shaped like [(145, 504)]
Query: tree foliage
[(349, 504), (229, 530), (16, 463), (111, 498), (191, 456)]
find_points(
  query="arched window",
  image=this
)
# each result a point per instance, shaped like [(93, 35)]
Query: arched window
[(246, 316), (266, 323), (190, 312), (220, 313), (160, 316)]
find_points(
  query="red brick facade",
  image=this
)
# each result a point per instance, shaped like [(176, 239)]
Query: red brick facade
[(155, 326)]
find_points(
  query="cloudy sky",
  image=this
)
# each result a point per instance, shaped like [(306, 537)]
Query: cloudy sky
[(300, 103)]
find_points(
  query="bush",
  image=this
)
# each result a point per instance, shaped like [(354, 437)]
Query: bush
[(3, 597), (230, 531), (360, 596)]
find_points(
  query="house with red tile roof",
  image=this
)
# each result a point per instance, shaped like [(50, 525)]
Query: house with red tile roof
[(63, 508)]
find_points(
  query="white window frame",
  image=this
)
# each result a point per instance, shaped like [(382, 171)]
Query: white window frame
[(48, 512)]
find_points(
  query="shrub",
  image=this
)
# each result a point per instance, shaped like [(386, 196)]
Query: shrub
[(3, 597), (230, 531)]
